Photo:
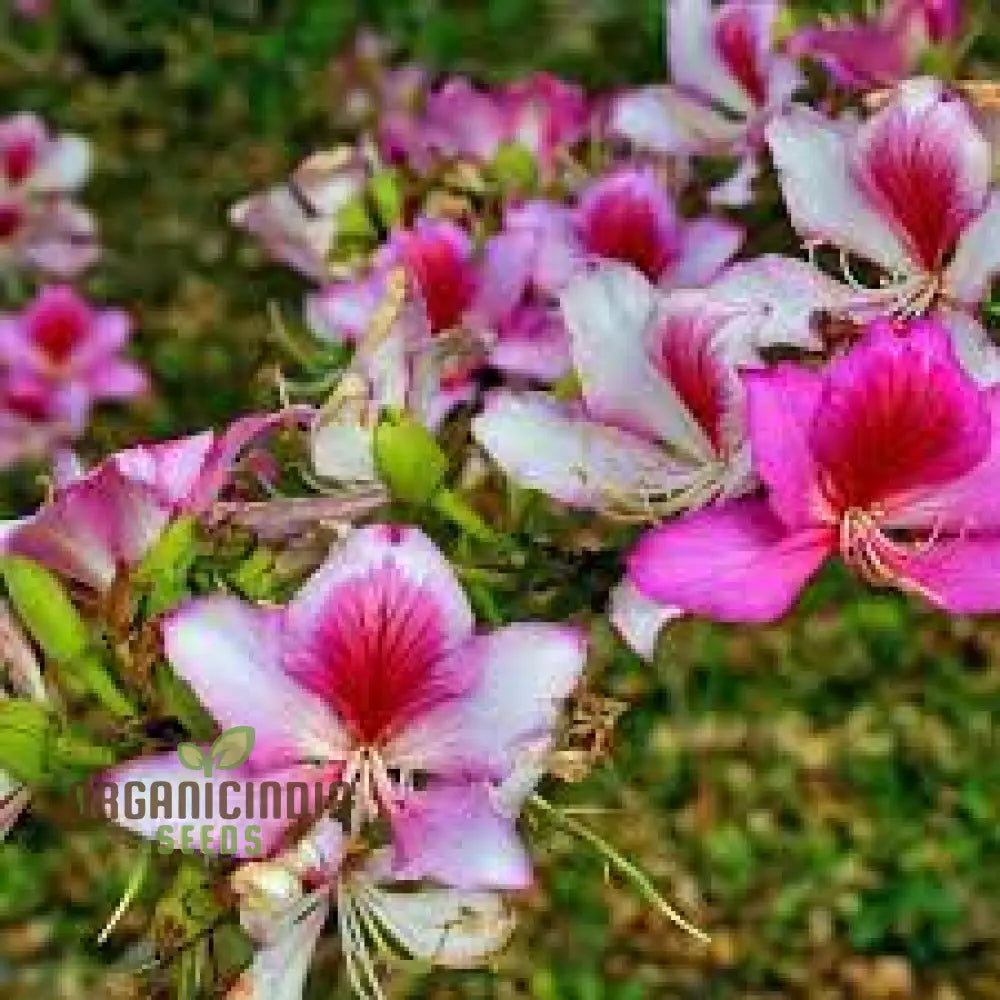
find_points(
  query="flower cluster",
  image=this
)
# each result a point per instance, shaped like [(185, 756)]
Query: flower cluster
[(533, 329)]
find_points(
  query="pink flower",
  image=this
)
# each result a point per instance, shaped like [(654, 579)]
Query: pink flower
[(297, 222), (728, 83), (888, 457), (659, 427), (883, 51), (70, 351), (544, 114), (628, 216), (908, 190), (40, 226), (373, 673), (108, 519)]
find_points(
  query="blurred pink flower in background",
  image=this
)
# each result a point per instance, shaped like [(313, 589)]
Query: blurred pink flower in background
[(40, 226), (70, 352), (728, 82)]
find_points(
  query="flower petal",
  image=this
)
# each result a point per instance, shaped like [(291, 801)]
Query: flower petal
[(524, 672), (822, 197), (580, 462), (230, 653), (667, 120), (958, 574), (608, 313), (279, 970), (977, 256), (707, 245), (639, 620), (456, 835), (453, 928), (781, 407), (736, 562)]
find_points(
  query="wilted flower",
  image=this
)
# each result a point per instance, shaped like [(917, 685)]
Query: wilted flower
[(888, 457), (727, 84), (69, 352), (908, 190), (107, 519), (40, 226), (297, 222)]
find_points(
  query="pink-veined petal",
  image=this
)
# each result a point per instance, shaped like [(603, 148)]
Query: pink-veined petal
[(230, 653), (823, 199), (925, 167), (608, 313), (456, 835), (958, 573), (736, 562), (524, 672), (581, 462)]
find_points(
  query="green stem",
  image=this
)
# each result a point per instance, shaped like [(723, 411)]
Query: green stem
[(619, 863)]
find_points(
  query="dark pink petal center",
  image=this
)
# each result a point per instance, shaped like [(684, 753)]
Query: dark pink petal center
[(912, 170), (685, 356), (736, 42), (376, 654), (11, 217), (20, 157), (445, 278), (897, 414), (630, 225), (27, 397), (58, 322)]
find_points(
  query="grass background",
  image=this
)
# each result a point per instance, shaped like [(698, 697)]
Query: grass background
[(822, 796)]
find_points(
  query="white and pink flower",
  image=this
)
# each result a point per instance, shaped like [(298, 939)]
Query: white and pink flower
[(910, 191), (40, 225), (728, 82), (71, 352)]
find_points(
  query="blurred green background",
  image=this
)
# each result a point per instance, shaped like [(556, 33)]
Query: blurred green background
[(823, 797)]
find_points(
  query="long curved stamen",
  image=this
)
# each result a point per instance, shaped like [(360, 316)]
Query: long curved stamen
[(372, 789), (876, 557)]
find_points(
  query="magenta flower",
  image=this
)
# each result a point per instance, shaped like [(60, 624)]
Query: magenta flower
[(107, 520), (437, 258), (374, 674), (71, 352), (887, 458), (40, 226), (727, 84), (544, 115)]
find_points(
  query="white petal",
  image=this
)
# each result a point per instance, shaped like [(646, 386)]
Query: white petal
[(639, 620), (824, 202), (608, 313), (578, 461), (977, 256), (666, 120)]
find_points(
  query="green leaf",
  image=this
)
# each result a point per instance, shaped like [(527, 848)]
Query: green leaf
[(45, 608), (166, 566), (191, 756), (409, 460), (26, 730), (232, 748), (387, 195), (514, 168)]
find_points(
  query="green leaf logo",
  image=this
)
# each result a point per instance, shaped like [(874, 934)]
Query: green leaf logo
[(232, 748)]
